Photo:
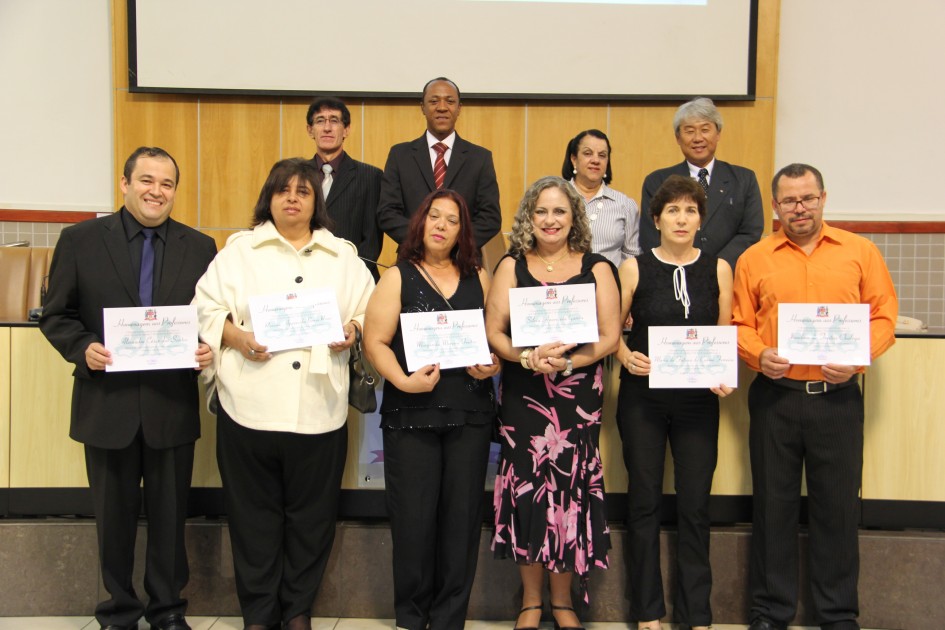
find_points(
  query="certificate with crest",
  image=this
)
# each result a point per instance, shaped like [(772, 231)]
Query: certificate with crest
[(818, 334), (296, 319), (565, 313), (451, 338), (691, 357), (151, 337)]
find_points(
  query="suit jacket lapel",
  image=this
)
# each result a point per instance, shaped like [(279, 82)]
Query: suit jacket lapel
[(718, 189), (174, 251), (421, 155), (342, 178), (116, 244), (457, 159)]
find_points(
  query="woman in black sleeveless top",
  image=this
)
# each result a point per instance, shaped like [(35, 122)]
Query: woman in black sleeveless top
[(437, 424), (674, 284)]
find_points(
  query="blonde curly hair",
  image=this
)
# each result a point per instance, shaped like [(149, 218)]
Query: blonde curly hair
[(522, 238)]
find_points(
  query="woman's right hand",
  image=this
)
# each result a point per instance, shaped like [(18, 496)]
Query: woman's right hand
[(539, 359), (636, 363), (422, 381), (244, 342)]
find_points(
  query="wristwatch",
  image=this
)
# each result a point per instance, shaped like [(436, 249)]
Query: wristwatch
[(523, 358), (569, 367)]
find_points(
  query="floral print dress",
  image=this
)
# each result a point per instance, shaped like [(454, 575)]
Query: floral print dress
[(549, 490)]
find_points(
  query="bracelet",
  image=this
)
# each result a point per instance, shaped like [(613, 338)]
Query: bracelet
[(569, 367), (523, 358)]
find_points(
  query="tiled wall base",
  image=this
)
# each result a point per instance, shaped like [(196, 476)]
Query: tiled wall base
[(50, 567)]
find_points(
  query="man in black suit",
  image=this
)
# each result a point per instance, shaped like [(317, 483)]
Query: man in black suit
[(140, 424), (351, 188), (409, 174), (734, 213)]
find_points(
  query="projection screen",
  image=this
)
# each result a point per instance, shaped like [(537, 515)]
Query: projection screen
[(581, 49)]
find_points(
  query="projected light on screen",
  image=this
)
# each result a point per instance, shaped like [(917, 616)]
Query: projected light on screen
[(492, 48)]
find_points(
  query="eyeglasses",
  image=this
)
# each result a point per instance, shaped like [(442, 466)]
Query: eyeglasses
[(332, 121), (810, 202)]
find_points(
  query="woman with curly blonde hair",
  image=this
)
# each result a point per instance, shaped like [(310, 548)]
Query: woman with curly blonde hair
[(549, 491)]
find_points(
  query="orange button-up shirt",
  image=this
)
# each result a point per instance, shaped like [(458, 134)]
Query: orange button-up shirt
[(844, 268)]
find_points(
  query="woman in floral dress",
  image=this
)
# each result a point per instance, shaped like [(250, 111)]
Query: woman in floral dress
[(549, 492)]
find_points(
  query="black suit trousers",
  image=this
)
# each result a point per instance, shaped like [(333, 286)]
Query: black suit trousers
[(792, 431), (114, 477), (689, 420), (281, 492), (435, 479)]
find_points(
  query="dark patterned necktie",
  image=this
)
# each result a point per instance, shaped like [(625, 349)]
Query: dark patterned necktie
[(146, 279), (439, 167), (704, 179)]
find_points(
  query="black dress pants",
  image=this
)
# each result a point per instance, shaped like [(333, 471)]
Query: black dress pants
[(435, 481), (281, 491), (790, 431), (689, 419), (115, 477)]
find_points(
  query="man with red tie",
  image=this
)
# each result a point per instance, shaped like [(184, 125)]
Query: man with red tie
[(439, 159)]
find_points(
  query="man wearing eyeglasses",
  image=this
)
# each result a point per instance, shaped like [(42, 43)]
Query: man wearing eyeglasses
[(806, 417), (351, 188)]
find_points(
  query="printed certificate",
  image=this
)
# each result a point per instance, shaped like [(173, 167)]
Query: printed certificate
[(296, 319), (451, 338), (151, 337), (693, 356), (817, 334), (566, 313)]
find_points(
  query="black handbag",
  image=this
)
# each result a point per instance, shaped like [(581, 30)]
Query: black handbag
[(361, 383)]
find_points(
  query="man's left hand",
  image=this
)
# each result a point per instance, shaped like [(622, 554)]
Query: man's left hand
[(836, 374), (204, 356)]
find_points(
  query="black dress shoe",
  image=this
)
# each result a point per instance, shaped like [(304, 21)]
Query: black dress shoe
[(557, 627), (171, 622), (763, 624), (525, 609), (113, 626)]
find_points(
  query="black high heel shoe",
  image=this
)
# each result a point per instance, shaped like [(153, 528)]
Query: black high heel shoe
[(558, 627), (526, 609)]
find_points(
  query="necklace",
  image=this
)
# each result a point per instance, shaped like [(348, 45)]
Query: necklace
[(550, 266)]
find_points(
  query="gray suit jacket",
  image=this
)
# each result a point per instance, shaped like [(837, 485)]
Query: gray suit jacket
[(408, 178), (91, 269), (734, 213)]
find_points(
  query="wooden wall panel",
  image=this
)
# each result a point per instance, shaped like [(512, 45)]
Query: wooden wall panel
[(295, 141), (40, 408), (550, 127), (387, 123), (904, 432), (168, 122), (501, 129), (239, 143), (5, 407), (641, 137)]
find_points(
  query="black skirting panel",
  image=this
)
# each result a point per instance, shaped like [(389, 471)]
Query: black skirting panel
[(369, 505)]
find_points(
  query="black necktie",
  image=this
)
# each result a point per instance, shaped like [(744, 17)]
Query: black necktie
[(146, 279), (704, 179)]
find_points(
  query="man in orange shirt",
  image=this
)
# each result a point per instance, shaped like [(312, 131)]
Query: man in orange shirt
[(806, 415)]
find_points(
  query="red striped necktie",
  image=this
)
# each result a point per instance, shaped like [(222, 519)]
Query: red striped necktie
[(439, 166)]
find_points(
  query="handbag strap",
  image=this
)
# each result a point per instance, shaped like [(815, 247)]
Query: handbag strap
[(355, 360), (434, 284)]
